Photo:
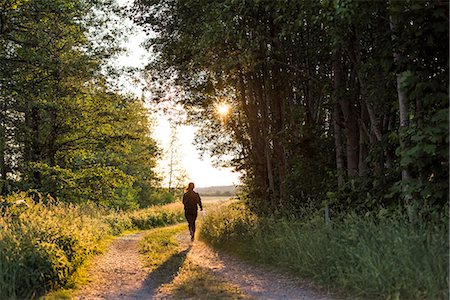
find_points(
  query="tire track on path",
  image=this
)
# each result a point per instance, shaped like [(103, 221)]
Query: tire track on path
[(256, 281), (120, 273)]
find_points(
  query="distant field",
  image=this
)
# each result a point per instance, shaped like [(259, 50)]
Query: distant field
[(220, 191), (215, 199), (212, 199), (212, 203)]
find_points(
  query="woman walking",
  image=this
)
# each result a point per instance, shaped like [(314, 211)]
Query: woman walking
[(191, 201)]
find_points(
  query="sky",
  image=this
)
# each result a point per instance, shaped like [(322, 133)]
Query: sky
[(197, 170)]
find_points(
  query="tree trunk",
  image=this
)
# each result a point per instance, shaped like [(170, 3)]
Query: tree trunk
[(280, 150), (257, 140), (35, 154), (351, 130), (352, 138), (52, 147), (263, 95), (404, 119), (363, 149), (338, 84), (3, 166), (278, 121), (339, 145)]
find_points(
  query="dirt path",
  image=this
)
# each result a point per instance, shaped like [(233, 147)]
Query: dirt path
[(257, 282), (119, 273)]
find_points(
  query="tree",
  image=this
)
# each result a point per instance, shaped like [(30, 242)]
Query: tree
[(314, 94), (63, 131)]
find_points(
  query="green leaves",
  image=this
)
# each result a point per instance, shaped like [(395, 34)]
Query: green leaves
[(425, 154), (66, 132), (302, 73)]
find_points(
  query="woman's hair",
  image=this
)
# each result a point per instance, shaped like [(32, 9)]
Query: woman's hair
[(190, 186)]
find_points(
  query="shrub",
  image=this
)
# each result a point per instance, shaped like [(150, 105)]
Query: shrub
[(157, 216)]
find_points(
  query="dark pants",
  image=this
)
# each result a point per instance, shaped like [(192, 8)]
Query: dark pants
[(191, 217)]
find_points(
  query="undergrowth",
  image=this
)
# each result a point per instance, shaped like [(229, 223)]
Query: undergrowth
[(383, 257), (43, 244)]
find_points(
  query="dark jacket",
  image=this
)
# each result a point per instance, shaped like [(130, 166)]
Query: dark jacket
[(190, 200)]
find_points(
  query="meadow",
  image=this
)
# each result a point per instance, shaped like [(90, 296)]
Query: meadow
[(43, 243), (376, 258)]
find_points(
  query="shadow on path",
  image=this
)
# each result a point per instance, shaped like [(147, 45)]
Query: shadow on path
[(162, 275)]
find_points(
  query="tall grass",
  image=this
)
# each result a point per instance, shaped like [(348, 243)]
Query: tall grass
[(42, 244), (375, 258)]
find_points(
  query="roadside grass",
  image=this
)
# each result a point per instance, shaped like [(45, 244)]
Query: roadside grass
[(161, 244), (80, 275), (383, 258), (196, 282), (173, 270), (44, 245)]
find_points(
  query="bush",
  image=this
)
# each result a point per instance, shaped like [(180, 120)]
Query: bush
[(149, 197), (379, 256), (157, 216), (42, 244)]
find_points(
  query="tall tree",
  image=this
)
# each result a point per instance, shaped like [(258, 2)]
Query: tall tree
[(63, 131), (308, 79)]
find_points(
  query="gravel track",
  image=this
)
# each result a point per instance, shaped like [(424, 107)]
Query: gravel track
[(256, 281), (119, 273)]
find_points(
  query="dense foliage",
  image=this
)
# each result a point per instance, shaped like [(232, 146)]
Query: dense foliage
[(63, 131), (337, 96), (42, 244)]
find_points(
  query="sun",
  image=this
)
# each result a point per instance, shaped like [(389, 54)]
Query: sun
[(223, 109)]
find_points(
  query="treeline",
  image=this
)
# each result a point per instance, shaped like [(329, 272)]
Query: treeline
[(63, 130), (343, 102)]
